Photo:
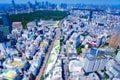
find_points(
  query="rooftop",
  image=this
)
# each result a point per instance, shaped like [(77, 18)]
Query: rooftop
[(41, 44), (9, 74), (74, 36)]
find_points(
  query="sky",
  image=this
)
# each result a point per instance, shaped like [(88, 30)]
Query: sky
[(100, 2)]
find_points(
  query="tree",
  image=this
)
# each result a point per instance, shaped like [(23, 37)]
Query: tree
[(64, 49), (44, 15), (42, 77), (82, 46), (79, 51), (71, 43)]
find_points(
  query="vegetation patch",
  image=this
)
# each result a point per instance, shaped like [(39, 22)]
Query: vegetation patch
[(44, 15), (79, 49)]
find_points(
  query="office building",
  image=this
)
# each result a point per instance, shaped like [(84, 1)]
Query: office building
[(97, 64), (90, 16), (13, 4), (5, 25), (114, 41), (94, 63), (89, 64), (75, 39), (115, 70), (102, 62), (93, 51)]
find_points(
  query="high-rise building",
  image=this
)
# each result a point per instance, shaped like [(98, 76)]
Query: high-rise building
[(46, 4), (63, 5), (90, 16), (36, 3), (13, 4), (114, 41), (89, 64), (5, 24), (94, 63), (75, 39), (29, 5), (93, 51), (97, 63), (102, 63), (43, 3)]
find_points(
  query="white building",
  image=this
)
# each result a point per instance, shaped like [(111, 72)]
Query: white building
[(34, 70), (30, 51), (18, 63), (97, 63), (94, 63), (93, 76), (75, 66), (115, 70), (10, 75), (102, 63), (75, 38), (89, 64)]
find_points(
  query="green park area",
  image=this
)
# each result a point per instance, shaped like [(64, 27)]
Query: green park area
[(79, 49), (43, 15), (56, 23), (55, 50), (56, 44), (53, 56)]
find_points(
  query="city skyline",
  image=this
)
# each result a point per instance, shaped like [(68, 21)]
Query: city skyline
[(59, 40), (98, 2)]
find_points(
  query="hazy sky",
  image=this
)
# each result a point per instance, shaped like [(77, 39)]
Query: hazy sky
[(111, 2)]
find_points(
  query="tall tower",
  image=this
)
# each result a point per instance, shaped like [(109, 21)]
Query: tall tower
[(29, 4), (90, 16), (13, 4), (36, 3), (36, 6)]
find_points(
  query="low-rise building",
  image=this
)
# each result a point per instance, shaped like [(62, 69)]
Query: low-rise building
[(18, 63), (10, 75)]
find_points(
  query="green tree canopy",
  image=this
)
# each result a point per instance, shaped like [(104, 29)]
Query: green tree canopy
[(44, 15)]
